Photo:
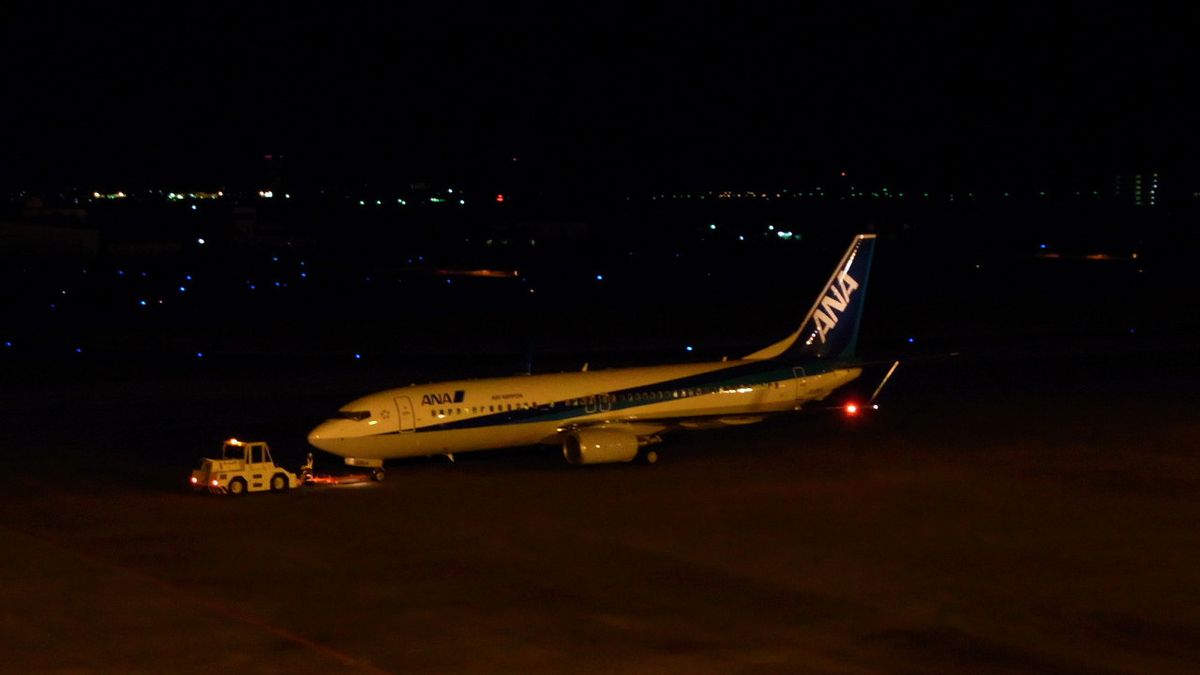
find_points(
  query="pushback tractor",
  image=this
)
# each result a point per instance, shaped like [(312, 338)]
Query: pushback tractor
[(243, 467)]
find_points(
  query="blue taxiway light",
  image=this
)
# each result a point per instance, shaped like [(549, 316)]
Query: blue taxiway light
[(142, 303), (911, 340), (79, 350), (357, 357), (8, 343), (688, 348), (599, 277)]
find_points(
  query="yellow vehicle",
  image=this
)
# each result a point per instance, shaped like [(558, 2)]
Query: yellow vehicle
[(244, 466)]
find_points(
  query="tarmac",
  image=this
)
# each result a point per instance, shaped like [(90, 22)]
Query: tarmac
[(1018, 511)]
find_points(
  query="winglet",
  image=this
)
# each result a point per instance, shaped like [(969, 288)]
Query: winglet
[(830, 329)]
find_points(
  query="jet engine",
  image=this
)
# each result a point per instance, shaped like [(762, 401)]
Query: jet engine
[(598, 446)]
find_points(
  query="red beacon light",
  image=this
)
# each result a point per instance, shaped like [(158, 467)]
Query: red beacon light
[(851, 409)]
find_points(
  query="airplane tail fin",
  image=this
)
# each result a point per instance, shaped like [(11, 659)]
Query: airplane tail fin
[(830, 329)]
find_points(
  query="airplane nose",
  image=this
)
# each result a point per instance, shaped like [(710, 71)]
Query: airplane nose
[(320, 437)]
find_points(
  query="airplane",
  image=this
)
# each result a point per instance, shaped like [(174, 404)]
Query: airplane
[(615, 415)]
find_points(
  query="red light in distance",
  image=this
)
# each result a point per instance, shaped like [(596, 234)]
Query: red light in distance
[(851, 409)]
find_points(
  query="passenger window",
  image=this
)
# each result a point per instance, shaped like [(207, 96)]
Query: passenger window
[(256, 455)]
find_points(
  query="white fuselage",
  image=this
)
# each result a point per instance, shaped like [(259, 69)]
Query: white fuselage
[(466, 415)]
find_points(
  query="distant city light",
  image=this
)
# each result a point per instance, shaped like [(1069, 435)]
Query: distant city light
[(199, 355), (142, 303), (599, 277), (303, 275), (1041, 246), (712, 226), (8, 343), (741, 238), (183, 289), (79, 350), (120, 273), (187, 277), (357, 356), (200, 241), (266, 194), (194, 207), (688, 348), (911, 340)]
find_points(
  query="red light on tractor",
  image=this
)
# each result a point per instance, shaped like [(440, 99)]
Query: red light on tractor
[(851, 409)]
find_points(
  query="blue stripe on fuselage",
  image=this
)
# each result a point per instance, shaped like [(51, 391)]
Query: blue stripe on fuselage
[(759, 372)]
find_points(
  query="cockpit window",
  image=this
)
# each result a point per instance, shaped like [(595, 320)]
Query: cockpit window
[(356, 415)]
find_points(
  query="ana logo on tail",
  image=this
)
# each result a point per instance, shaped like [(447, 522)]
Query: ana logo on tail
[(834, 303)]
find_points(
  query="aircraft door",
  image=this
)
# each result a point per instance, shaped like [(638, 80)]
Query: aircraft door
[(597, 403), (404, 414), (799, 382)]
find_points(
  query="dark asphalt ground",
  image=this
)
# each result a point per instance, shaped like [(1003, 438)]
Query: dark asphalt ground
[(1027, 510)]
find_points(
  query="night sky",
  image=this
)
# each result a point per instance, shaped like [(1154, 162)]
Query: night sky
[(610, 95)]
